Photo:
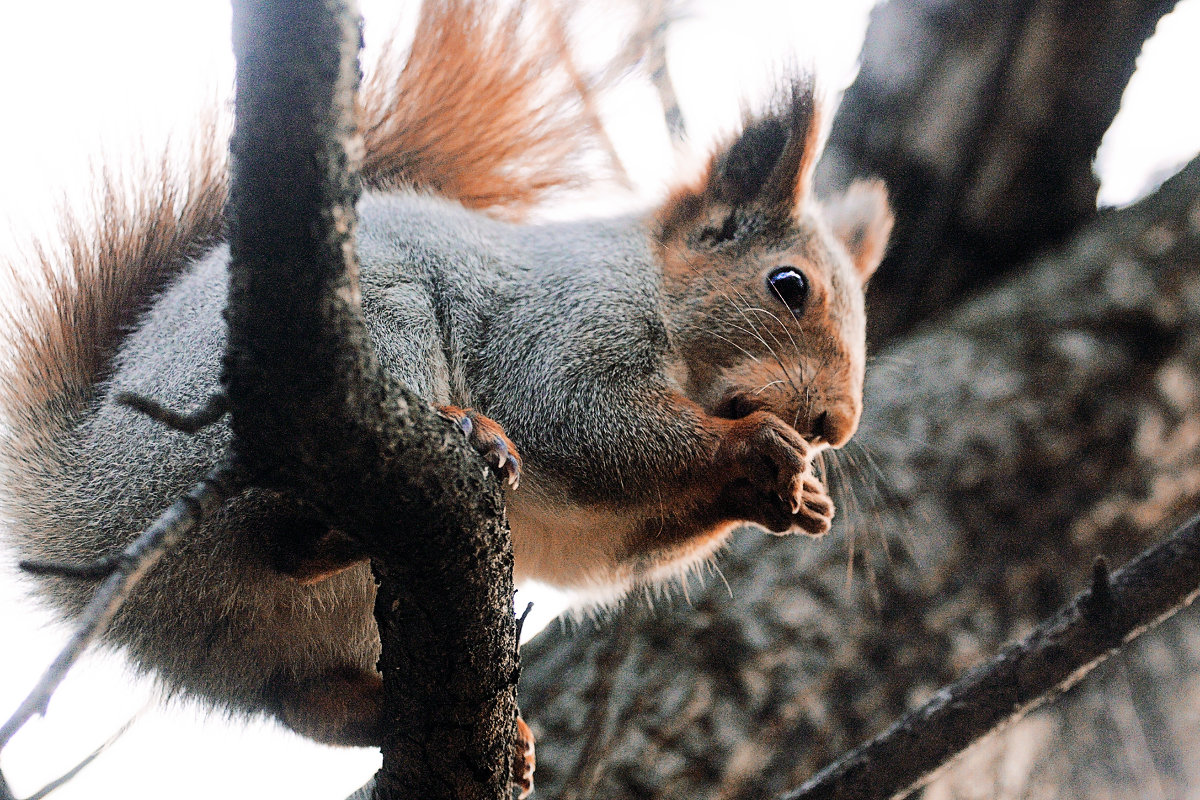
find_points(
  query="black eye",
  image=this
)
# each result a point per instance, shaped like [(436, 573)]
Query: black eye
[(790, 286)]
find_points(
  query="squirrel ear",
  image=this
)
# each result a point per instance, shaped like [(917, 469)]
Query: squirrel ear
[(767, 168), (771, 163), (861, 220)]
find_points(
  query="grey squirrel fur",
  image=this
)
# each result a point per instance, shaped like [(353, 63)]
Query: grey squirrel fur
[(657, 390)]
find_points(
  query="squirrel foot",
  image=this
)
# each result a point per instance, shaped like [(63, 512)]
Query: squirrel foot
[(489, 440), (345, 706), (776, 487), (523, 759)]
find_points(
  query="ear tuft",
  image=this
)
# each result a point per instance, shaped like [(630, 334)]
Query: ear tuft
[(770, 164), (862, 220), (767, 169), (741, 172)]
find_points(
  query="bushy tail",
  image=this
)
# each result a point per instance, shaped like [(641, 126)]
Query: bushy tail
[(70, 303), (488, 108), (485, 107)]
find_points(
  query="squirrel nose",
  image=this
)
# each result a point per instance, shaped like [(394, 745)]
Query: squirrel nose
[(835, 426)]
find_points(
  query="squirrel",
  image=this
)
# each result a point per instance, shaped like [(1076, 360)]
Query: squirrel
[(646, 383)]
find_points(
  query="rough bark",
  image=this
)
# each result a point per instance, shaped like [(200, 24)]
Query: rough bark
[(1054, 418), (1056, 655), (313, 412), (983, 116)]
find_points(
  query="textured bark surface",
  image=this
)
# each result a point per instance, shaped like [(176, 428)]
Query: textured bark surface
[(1062, 650), (1054, 418), (983, 117), (313, 413)]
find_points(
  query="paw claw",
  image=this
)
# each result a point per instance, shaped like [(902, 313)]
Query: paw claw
[(513, 470), (816, 518), (500, 450), (488, 439), (795, 494)]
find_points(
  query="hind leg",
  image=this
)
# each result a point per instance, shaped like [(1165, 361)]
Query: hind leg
[(345, 707), (342, 707), (291, 536), (310, 551)]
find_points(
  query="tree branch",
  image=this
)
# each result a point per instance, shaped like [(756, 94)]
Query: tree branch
[(122, 574), (1054, 657), (314, 412)]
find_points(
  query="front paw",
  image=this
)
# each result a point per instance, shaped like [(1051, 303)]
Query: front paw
[(771, 476), (489, 440), (815, 516)]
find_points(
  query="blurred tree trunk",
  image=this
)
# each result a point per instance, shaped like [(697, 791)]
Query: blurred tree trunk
[(1053, 417), (983, 116)]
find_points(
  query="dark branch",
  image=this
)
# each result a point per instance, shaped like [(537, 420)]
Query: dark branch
[(315, 413), (1051, 659), (193, 421), (983, 117)]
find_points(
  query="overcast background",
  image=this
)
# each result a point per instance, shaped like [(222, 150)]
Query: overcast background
[(84, 79)]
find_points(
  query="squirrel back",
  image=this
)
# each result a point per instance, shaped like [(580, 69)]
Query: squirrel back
[(482, 109)]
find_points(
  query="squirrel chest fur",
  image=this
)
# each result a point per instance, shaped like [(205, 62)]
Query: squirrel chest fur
[(665, 377)]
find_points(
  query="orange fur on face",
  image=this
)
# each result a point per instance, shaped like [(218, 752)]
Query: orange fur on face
[(719, 238), (746, 350)]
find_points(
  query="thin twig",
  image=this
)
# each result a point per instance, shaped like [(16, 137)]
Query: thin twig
[(521, 620), (75, 770), (658, 22), (1051, 659), (200, 502), (586, 92), (215, 407), (92, 570)]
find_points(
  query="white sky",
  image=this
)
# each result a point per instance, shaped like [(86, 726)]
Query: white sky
[(83, 76)]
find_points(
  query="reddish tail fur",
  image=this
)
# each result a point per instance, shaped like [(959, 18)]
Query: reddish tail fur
[(482, 110), (67, 310), (486, 108)]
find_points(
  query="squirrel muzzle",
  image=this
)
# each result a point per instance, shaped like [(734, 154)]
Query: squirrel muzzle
[(825, 409)]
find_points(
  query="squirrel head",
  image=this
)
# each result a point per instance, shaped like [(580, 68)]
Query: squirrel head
[(764, 285)]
